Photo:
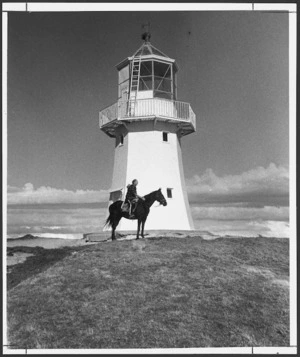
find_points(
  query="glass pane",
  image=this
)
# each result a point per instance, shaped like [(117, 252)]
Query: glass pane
[(162, 69), (146, 68), (145, 83), (162, 84)]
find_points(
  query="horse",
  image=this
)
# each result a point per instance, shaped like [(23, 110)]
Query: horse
[(141, 212)]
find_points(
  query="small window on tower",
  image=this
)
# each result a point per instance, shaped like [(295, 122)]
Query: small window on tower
[(122, 140), (169, 192), (165, 136)]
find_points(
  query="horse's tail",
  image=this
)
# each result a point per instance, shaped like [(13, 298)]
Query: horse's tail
[(109, 221)]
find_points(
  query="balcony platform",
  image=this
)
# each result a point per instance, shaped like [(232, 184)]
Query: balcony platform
[(121, 113)]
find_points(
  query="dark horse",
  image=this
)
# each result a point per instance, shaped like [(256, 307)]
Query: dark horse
[(141, 212)]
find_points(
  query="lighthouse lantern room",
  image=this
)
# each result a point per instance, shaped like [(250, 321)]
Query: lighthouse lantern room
[(147, 123)]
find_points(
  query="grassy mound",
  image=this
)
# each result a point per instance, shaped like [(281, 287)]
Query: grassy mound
[(157, 293)]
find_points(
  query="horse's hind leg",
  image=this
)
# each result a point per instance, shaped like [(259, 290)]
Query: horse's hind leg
[(114, 226), (138, 229), (113, 237)]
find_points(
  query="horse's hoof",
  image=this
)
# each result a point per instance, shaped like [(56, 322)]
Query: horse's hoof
[(137, 238)]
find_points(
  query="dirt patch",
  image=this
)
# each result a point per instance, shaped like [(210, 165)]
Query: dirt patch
[(261, 271), (281, 282)]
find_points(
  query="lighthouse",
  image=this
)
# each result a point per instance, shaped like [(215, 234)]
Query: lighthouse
[(147, 124)]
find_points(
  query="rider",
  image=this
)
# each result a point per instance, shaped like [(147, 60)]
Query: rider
[(132, 196)]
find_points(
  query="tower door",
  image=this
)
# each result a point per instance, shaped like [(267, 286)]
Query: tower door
[(115, 195)]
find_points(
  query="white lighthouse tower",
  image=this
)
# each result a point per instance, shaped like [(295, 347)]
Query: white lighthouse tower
[(147, 124)]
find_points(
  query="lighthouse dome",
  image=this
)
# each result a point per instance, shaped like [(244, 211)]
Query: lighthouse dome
[(147, 49)]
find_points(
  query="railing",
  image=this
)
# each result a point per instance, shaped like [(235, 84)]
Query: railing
[(148, 107)]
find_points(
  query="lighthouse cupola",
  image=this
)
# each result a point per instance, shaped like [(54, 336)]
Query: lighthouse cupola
[(148, 73)]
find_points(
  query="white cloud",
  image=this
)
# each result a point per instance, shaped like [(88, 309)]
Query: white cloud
[(268, 186), (28, 195)]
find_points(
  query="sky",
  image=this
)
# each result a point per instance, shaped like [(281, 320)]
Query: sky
[(233, 70)]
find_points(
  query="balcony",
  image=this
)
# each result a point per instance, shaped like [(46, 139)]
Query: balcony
[(146, 109)]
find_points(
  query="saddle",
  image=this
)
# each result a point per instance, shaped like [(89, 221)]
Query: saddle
[(126, 208)]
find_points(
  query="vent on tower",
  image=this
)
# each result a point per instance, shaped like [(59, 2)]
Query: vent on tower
[(169, 192)]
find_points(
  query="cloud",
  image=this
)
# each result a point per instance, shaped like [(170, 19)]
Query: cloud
[(28, 195), (257, 187)]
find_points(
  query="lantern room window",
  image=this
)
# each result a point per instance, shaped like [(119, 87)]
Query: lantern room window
[(158, 77), (146, 75), (163, 80)]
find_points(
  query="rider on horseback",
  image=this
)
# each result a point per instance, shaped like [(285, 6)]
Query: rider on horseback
[(132, 197)]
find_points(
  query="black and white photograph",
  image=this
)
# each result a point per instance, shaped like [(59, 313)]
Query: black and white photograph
[(149, 178)]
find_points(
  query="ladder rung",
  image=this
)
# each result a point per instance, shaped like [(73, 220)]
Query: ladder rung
[(135, 77)]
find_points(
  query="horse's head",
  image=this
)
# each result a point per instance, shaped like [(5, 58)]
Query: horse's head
[(160, 197)]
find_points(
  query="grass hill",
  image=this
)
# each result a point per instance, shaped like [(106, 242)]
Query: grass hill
[(154, 293)]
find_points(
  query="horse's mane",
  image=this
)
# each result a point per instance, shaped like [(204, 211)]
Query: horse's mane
[(150, 194)]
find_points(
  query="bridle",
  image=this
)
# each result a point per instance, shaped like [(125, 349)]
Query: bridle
[(162, 200)]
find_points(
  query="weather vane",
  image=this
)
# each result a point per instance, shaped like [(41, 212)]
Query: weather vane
[(146, 35)]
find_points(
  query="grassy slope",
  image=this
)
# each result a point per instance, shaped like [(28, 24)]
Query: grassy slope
[(42, 260), (157, 293)]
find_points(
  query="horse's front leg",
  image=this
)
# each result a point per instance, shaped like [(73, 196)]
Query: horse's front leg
[(143, 225), (138, 229)]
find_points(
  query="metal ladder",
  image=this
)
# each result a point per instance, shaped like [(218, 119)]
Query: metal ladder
[(134, 85)]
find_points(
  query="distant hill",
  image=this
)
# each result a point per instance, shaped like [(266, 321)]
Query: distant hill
[(27, 236)]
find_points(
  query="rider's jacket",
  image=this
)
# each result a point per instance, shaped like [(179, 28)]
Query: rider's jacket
[(131, 193)]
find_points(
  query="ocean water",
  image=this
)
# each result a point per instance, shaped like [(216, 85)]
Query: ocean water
[(73, 222)]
